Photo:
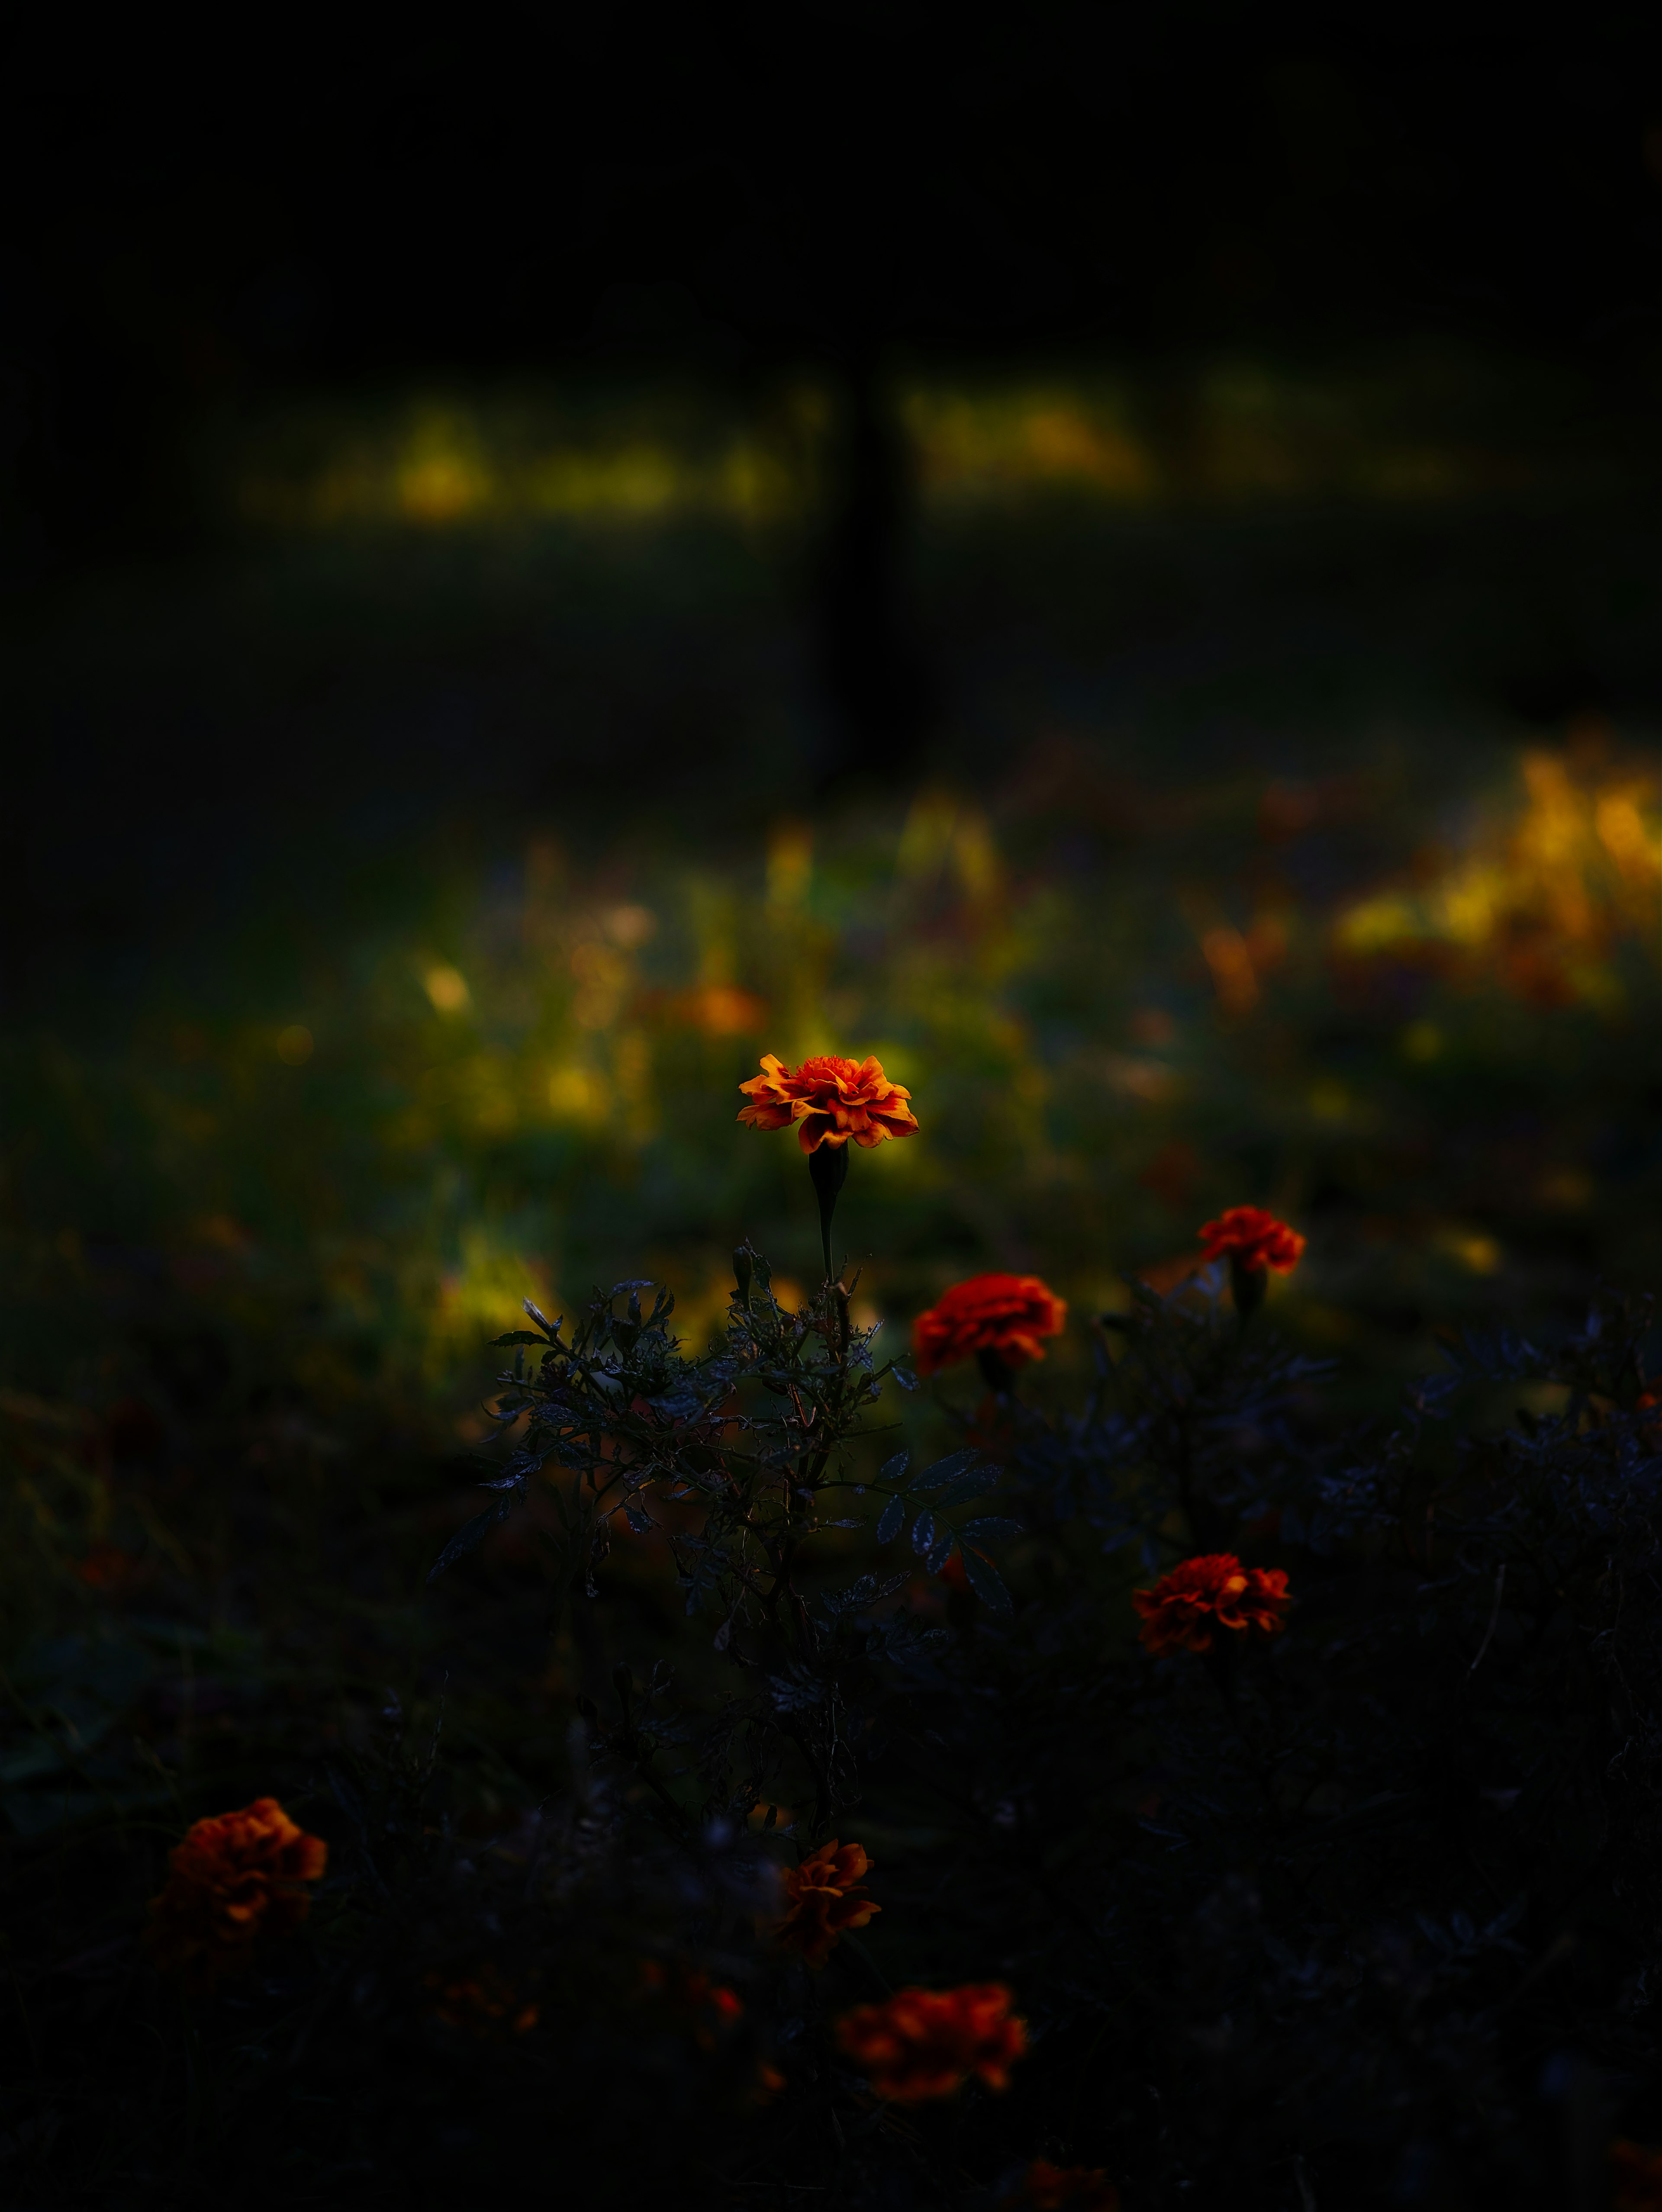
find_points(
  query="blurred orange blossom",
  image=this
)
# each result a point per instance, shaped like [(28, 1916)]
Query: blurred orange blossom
[(234, 1878), (921, 2044), (824, 1900), (1250, 1238), (1005, 1315), (1215, 1591)]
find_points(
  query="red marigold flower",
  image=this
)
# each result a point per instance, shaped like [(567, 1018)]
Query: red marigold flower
[(1050, 2188), (1635, 2177), (929, 2043), (1250, 1238), (825, 1899), (1216, 1591), (830, 1101), (1005, 1315), (233, 1879)]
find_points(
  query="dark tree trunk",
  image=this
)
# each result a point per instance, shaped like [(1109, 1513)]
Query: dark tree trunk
[(873, 668)]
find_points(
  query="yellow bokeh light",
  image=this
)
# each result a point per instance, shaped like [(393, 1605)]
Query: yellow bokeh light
[(578, 1094), (447, 987), (294, 1045)]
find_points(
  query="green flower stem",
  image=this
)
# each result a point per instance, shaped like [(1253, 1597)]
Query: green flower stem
[(828, 1165)]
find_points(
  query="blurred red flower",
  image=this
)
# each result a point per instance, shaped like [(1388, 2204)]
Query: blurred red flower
[(928, 2042), (1005, 1315), (825, 1899), (1216, 1591), (233, 1879), (1635, 2177), (1253, 1239), (830, 1101), (1050, 2188)]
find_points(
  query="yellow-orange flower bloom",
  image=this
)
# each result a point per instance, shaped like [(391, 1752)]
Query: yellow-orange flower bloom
[(1050, 2188), (929, 2043), (233, 1879), (830, 1101), (1250, 1238), (826, 1900), (1215, 1591), (1005, 1315)]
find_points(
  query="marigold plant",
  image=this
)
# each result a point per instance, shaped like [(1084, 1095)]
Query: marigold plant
[(1002, 1316), (831, 1103), (826, 1900), (234, 1878), (1249, 1236), (1185, 1608), (922, 2044), (1252, 1242)]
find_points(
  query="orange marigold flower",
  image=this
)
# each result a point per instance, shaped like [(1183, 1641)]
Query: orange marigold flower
[(1635, 2177), (830, 1101), (233, 1879), (1050, 2188), (1252, 1239), (929, 2043), (825, 1899), (1215, 1591), (1005, 1315)]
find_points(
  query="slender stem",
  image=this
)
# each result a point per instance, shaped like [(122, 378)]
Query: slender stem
[(828, 1166)]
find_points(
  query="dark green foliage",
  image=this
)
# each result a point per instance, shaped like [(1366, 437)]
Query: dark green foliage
[(1366, 1910)]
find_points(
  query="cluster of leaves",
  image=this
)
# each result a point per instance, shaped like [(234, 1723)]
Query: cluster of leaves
[(737, 1460)]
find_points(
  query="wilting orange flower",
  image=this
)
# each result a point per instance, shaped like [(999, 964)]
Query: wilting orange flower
[(1005, 1315), (234, 1878), (1050, 2188), (829, 1100), (929, 2043), (825, 1899), (1635, 2177), (1250, 1238), (1216, 1591)]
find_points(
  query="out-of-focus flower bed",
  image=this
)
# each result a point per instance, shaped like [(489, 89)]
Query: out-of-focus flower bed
[(1128, 1010)]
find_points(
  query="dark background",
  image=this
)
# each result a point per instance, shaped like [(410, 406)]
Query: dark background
[(193, 235)]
